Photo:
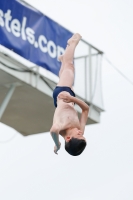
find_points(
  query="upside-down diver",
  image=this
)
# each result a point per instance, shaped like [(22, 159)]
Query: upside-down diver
[(65, 121)]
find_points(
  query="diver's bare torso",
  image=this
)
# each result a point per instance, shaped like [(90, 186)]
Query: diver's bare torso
[(65, 116)]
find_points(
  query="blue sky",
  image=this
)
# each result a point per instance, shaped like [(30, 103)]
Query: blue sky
[(28, 167)]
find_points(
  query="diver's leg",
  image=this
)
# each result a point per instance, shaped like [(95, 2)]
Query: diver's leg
[(67, 69), (60, 58)]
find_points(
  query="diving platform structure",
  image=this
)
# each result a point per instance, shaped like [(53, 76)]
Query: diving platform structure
[(26, 89)]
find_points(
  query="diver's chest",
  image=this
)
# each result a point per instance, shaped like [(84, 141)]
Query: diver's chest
[(69, 116), (68, 113)]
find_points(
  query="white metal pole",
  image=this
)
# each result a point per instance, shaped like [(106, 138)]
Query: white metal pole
[(90, 74), (86, 88), (7, 99)]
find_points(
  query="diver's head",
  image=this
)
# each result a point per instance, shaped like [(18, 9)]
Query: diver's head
[(75, 142)]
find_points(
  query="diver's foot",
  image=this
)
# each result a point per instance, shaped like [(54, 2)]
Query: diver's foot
[(75, 38)]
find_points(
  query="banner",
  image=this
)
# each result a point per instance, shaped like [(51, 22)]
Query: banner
[(31, 34)]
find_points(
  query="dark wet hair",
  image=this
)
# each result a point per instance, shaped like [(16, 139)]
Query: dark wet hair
[(75, 146)]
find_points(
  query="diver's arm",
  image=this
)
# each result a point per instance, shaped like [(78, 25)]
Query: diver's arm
[(54, 131), (68, 98), (84, 114), (83, 119), (80, 103)]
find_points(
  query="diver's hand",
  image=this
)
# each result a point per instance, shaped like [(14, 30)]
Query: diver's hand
[(65, 96), (57, 148)]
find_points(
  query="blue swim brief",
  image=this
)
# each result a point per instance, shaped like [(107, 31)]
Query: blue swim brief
[(59, 89)]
